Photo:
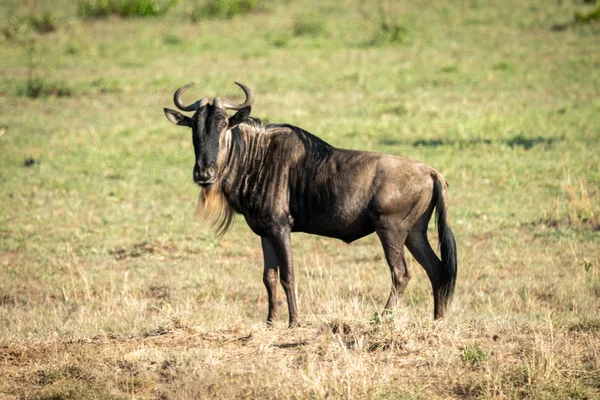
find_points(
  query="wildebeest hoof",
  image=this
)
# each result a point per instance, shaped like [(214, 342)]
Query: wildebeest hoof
[(294, 324)]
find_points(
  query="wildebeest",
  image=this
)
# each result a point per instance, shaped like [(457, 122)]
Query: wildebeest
[(283, 179)]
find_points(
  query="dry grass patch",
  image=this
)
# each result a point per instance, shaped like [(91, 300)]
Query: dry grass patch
[(579, 207), (337, 358)]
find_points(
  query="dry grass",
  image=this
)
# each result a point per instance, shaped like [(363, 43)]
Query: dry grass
[(581, 205), (333, 357), (578, 207), (513, 332)]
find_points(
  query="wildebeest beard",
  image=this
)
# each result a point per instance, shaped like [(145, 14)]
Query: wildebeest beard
[(213, 207)]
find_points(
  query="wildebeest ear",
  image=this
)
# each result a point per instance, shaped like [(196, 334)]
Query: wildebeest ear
[(177, 118), (239, 116)]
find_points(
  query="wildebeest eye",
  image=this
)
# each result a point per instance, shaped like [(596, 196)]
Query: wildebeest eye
[(223, 124)]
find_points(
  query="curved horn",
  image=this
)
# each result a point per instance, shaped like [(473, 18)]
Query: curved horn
[(227, 105), (191, 107)]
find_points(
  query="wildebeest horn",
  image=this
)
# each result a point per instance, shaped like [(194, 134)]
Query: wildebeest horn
[(227, 105), (191, 107)]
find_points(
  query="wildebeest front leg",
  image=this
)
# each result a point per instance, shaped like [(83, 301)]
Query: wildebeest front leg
[(270, 277), (281, 241)]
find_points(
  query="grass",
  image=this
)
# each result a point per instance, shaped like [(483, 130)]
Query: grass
[(123, 8), (581, 206), (390, 26), (109, 288), (310, 25), (474, 355), (589, 17), (44, 23), (224, 9), (39, 87), (15, 28)]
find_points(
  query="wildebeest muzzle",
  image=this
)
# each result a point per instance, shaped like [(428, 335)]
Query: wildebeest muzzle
[(205, 176)]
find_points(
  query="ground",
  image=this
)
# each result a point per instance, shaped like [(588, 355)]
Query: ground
[(110, 288)]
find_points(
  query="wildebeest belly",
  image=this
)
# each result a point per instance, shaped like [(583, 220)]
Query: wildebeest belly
[(334, 226)]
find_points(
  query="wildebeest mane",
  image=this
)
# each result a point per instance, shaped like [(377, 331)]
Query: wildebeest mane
[(317, 150), (212, 205)]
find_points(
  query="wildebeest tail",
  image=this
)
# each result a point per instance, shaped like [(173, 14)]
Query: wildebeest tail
[(446, 238)]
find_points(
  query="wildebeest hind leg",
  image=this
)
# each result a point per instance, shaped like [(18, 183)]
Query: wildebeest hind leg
[(420, 248), (270, 277), (393, 247)]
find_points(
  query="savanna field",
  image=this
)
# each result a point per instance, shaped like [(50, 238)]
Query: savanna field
[(110, 288)]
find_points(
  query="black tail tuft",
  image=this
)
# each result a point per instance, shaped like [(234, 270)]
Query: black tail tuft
[(447, 243)]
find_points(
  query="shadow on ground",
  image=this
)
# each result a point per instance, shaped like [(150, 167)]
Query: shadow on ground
[(514, 142)]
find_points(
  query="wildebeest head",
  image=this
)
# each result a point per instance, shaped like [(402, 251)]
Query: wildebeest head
[(209, 123)]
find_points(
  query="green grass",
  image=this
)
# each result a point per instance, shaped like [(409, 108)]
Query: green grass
[(391, 24), (109, 286), (44, 23), (123, 8), (224, 9), (39, 87), (474, 355), (589, 17), (310, 25)]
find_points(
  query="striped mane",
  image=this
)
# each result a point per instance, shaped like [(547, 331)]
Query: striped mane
[(213, 206)]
